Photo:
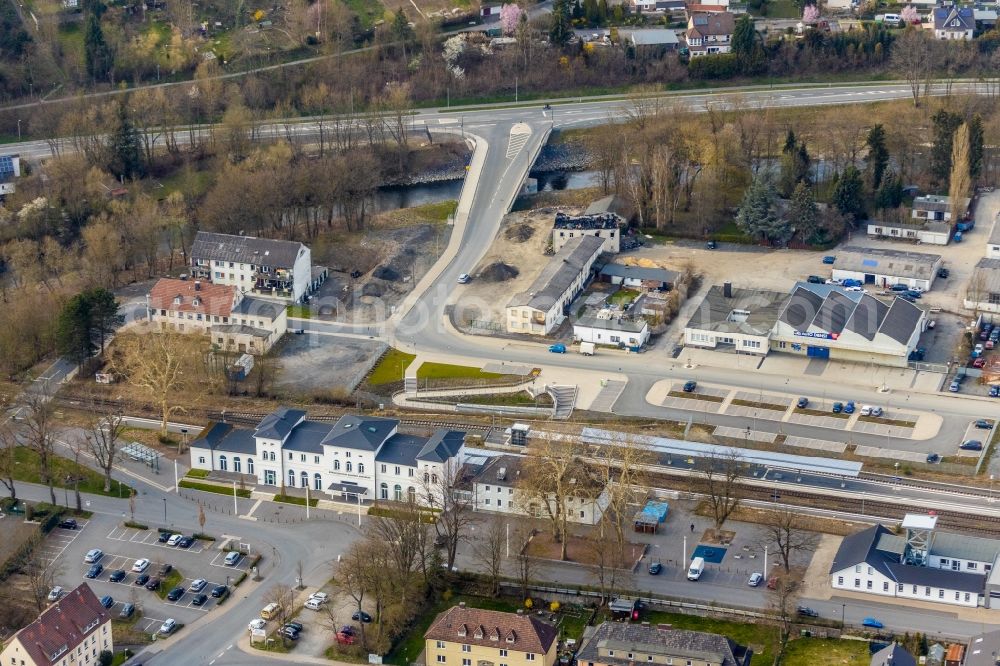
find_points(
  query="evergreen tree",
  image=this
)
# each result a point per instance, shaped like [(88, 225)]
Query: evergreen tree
[(848, 195), (125, 149), (591, 12), (577, 13), (795, 165), (97, 53), (104, 316), (73, 338), (603, 12), (976, 147), (944, 126), (745, 45), (790, 143), (890, 192), (878, 156), (756, 216), (559, 30), (803, 212)]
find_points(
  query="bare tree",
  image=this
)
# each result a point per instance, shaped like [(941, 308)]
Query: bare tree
[(786, 533), (40, 435), (525, 564), (553, 474), (352, 573), (8, 459), (489, 549), (104, 441), (623, 470), (41, 576), (284, 597), (782, 599), (445, 492), (960, 183), (607, 561), (911, 59), (723, 474)]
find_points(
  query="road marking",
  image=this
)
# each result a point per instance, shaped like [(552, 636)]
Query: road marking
[(252, 509)]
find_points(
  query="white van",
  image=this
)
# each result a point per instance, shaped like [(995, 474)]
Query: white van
[(696, 569), (893, 19), (587, 348)]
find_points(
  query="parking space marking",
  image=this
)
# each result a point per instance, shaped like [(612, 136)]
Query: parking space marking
[(219, 561), (150, 538), (766, 414), (891, 454), (813, 443), (148, 623), (59, 540), (821, 421), (745, 433), (691, 404)]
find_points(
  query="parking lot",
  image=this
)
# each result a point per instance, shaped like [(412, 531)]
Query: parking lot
[(121, 548)]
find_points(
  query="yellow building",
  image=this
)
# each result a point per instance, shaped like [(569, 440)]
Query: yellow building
[(73, 631), (463, 636)]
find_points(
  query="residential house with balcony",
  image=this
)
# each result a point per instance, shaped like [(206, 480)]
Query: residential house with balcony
[(954, 23), (358, 459), (261, 266), (463, 636), (232, 320), (710, 33), (73, 631)]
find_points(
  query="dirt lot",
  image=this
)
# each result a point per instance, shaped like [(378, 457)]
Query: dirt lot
[(305, 362), (515, 246), (391, 261)]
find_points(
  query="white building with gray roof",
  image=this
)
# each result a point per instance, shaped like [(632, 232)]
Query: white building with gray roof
[(544, 306), (358, 458), (993, 244), (919, 564), (883, 268), (627, 644), (735, 319), (982, 292), (262, 266)]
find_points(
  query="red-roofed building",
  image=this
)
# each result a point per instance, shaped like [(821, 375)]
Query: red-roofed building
[(463, 636), (709, 34), (232, 319), (71, 632)]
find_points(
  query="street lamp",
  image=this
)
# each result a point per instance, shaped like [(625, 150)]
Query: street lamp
[(164, 511), (19, 129), (843, 609)]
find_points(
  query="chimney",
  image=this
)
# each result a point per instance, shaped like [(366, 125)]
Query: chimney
[(727, 289), (461, 604), (197, 285)]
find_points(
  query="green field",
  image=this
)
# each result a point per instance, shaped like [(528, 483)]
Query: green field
[(210, 488), (754, 635), (91, 482), (448, 371), (391, 368), (825, 652)]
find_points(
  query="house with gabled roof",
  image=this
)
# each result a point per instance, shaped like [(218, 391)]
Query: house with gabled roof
[(358, 458), (265, 267), (710, 33), (73, 631), (627, 644), (464, 636), (954, 23)]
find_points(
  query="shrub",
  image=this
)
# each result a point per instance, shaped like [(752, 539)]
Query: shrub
[(203, 537), (210, 488), (134, 525), (198, 473)]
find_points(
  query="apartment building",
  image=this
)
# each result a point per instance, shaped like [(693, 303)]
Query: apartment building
[(261, 266), (462, 636)]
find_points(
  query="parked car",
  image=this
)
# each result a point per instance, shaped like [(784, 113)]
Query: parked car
[(978, 362), (932, 323), (219, 591), (164, 537), (933, 458), (971, 445), (829, 259), (711, 245), (93, 555), (838, 407), (269, 611), (142, 580), (94, 571), (127, 611), (232, 558), (312, 604), (168, 627), (655, 568), (990, 344), (805, 611), (321, 597), (165, 569), (557, 348), (198, 584), (871, 622), (175, 594), (983, 424), (850, 282), (815, 279), (918, 354), (912, 293), (297, 626), (899, 287), (854, 288), (995, 391), (153, 584), (464, 278), (256, 623), (690, 385), (943, 273), (361, 616), (289, 633), (802, 403), (832, 281), (185, 542), (107, 601), (68, 524), (849, 407), (955, 385), (174, 538), (140, 565), (117, 576), (56, 593), (866, 410), (755, 579), (199, 600), (772, 583)]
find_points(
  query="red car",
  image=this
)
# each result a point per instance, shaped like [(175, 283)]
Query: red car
[(979, 362), (344, 639)]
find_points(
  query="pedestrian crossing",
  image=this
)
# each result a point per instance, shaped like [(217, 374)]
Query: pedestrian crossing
[(519, 135)]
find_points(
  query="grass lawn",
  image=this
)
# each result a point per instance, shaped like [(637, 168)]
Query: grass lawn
[(623, 297), (192, 183), (197, 473), (782, 9), (438, 211), (368, 11), (411, 643), (519, 399), (209, 488), (289, 499), (448, 371), (824, 652), (298, 310), (91, 482), (762, 638), (391, 368), (169, 582)]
